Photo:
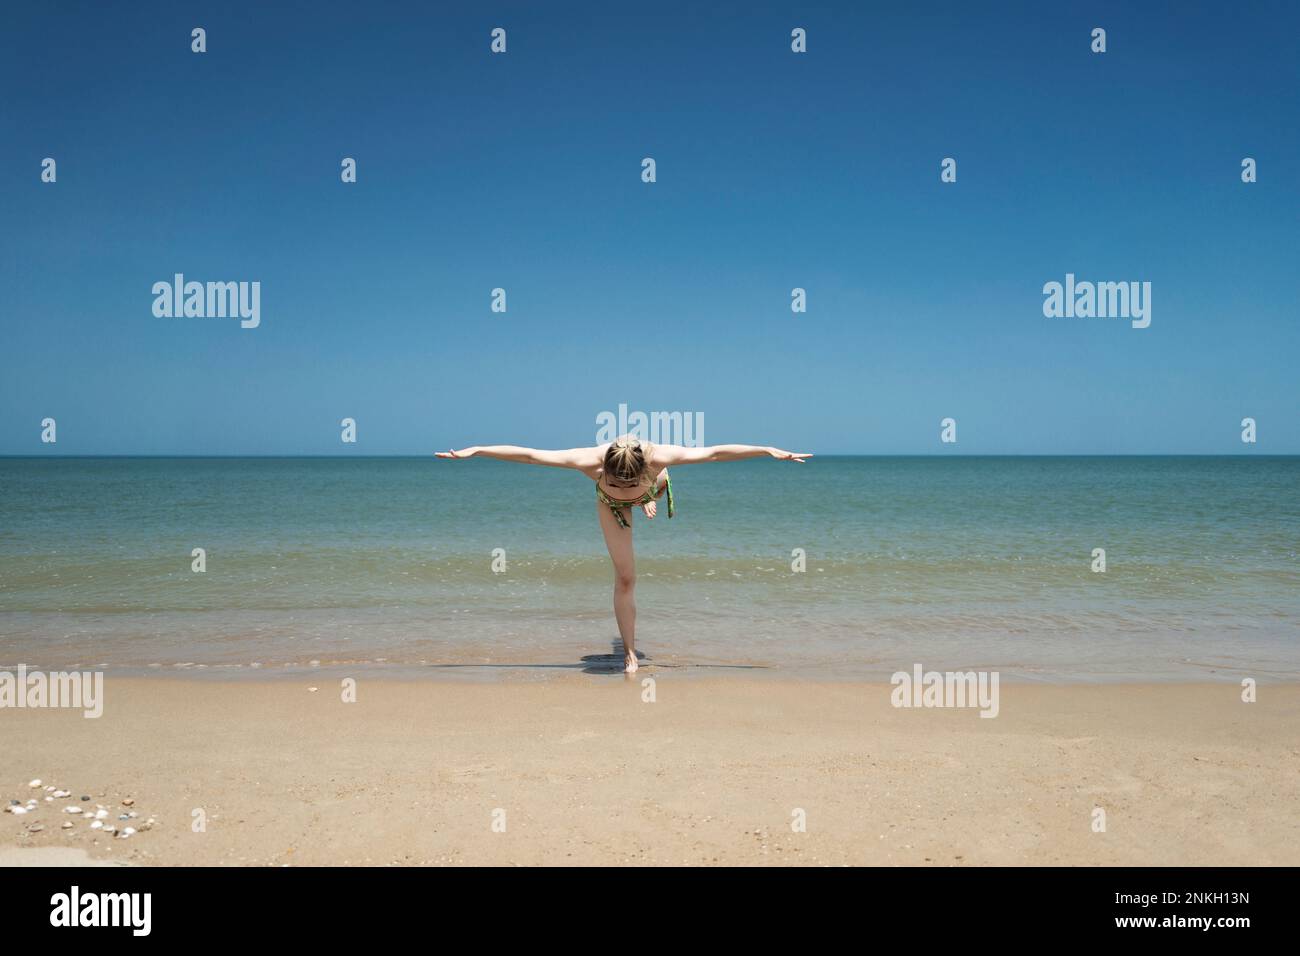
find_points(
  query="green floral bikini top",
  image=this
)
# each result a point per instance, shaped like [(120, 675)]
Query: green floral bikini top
[(617, 506)]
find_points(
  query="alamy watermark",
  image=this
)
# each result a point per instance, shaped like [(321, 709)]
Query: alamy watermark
[(1101, 300), (946, 689), (129, 910), (209, 300), (77, 690), (658, 428)]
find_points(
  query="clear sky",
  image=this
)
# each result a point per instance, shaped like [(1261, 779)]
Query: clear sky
[(775, 170)]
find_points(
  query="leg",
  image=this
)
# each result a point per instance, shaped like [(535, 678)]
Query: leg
[(619, 542)]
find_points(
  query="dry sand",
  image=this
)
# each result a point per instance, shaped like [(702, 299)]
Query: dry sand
[(711, 772)]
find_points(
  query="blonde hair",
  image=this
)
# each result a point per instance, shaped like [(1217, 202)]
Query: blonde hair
[(625, 459)]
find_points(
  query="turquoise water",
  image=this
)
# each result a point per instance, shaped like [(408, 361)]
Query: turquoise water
[(950, 562)]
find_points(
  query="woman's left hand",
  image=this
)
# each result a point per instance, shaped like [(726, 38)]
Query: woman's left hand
[(781, 455), (649, 509)]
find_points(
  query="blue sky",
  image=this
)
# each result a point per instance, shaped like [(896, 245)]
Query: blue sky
[(775, 170)]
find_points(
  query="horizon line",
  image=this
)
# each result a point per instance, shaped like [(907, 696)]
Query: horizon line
[(431, 456)]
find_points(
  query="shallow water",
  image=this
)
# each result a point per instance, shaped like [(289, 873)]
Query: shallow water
[(951, 562)]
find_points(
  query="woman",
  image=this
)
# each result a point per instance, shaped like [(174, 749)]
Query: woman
[(628, 474)]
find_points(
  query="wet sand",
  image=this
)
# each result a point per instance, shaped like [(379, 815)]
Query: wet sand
[(580, 769)]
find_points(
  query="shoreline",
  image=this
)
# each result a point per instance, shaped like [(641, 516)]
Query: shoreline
[(611, 665), (584, 770)]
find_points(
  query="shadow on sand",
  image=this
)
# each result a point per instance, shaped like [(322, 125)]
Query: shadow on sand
[(611, 663)]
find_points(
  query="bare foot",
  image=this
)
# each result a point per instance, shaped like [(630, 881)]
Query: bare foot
[(629, 662)]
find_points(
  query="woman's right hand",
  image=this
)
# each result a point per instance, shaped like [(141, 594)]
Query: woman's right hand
[(463, 453)]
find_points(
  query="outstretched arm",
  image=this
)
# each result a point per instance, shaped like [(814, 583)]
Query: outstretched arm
[(666, 455), (559, 458)]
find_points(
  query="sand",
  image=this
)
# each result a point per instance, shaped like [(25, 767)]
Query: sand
[(581, 770)]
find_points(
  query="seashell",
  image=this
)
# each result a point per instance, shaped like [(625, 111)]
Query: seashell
[(72, 809), (96, 825), (34, 784)]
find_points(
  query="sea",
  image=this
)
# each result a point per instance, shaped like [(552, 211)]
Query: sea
[(1056, 569)]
